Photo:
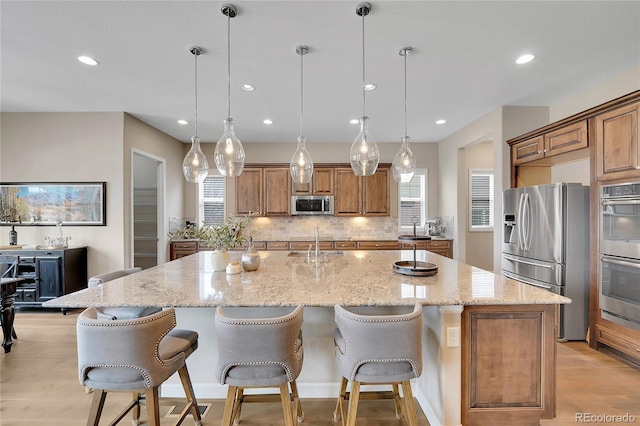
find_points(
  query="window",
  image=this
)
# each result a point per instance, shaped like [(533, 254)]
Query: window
[(412, 199), (480, 200), (211, 200)]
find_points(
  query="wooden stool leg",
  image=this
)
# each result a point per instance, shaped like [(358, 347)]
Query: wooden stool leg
[(397, 401), (354, 398), (153, 407), (191, 397), (136, 409), (237, 408), (339, 411), (286, 404), (229, 405), (97, 405), (410, 409), (297, 407)]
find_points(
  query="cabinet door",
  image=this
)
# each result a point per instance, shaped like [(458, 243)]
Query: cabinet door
[(348, 198), (565, 139), (376, 193), (323, 181), (616, 135), (529, 150), (49, 281), (249, 191), (277, 191)]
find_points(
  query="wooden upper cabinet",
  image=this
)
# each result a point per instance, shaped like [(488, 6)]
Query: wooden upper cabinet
[(565, 139), (264, 190), (249, 191), (529, 150), (362, 195), (277, 191), (321, 183), (617, 154)]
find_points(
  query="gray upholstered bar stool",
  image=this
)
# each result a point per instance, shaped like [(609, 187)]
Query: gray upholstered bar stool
[(135, 356), (378, 349), (259, 353), (120, 312)]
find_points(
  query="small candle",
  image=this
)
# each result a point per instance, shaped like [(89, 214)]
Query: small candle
[(233, 268)]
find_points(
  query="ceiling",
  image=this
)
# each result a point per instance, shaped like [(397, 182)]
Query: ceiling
[(462, 64)]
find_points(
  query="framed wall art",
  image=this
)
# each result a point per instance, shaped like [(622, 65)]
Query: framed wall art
[(48, 203)]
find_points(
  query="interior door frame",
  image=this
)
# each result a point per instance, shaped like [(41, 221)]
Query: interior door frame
[(161, 179)]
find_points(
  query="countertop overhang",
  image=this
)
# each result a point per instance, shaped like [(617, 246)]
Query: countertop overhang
[(359, 278)]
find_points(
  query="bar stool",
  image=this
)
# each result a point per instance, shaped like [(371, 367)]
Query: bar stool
[(259, 353), (134, 356), (378, 349), (120, 313)]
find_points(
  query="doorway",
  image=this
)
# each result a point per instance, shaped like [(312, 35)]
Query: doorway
[(148, 183)]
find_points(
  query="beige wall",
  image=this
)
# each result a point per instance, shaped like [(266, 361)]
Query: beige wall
[(81, 147), (479, 245), (69, 147)]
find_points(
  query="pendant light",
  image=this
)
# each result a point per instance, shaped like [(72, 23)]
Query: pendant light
[(195, 166), (301, 165), (229, 153), (404, 163), (364, 155)]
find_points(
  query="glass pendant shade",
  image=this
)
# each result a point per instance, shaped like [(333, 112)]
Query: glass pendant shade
[(364, 155), (229, 153), (404, 163), (301, 165), (195, 165)]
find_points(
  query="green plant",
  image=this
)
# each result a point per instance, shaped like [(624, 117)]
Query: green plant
[(221, 237)]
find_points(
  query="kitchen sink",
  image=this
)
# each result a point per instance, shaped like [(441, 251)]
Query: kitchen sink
[(313, 253)]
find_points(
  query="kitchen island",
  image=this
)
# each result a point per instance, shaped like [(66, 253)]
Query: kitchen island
[(502, 369)]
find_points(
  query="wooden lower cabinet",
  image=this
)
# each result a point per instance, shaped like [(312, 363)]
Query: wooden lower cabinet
[(623, 339), (378, 245), (178, 249), (441, 247), (508, 365)]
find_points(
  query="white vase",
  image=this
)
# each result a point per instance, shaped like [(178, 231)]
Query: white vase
[(219, 260)]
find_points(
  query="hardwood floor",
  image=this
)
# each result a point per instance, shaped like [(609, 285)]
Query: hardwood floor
[(39, 385)]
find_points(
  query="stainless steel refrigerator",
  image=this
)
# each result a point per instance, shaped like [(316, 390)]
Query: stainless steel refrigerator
[(546, 244)]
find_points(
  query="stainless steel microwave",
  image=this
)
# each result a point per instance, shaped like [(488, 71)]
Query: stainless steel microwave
[(312, 204)]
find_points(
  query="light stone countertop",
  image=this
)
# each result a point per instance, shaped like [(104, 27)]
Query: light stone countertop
[(359, 278)]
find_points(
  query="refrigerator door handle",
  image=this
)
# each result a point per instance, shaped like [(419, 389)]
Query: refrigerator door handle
[(528, 262), (513, 277), (527, 213), (519, 223)]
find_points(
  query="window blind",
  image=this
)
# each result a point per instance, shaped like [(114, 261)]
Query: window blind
[(212, 200), (481, 193)]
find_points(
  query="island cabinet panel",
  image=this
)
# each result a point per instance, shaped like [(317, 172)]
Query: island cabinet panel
[(321, 183), (249, 191), (508, 368), (617, 154), (362, 195)]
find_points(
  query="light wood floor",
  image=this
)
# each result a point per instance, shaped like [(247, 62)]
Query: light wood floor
[(39, 385)]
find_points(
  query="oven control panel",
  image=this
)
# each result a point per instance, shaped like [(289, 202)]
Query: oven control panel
[(621, 190)]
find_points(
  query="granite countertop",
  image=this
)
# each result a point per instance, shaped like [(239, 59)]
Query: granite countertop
[(363, 278)]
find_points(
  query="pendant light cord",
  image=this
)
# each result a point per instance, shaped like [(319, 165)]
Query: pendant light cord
[(229, 65), (405, 94), (196, 97), (301, 93), (363, 78)]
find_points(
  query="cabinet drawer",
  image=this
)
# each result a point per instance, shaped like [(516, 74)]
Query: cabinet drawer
[(618, 341), (185, 245), (278, 245), (304, 245), (438, 244), (378, 245), (345, 245)]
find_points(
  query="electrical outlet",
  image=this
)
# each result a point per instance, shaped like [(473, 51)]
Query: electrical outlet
[(453, 337)]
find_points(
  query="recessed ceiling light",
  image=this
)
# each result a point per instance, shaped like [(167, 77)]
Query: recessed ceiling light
[(248, 87), (183, 122), (88, 60), (441, 121), (354, 121), (370, 86), (525, 59), (267, 121)]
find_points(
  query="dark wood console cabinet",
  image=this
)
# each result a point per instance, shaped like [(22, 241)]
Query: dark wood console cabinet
[(49, 274)]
